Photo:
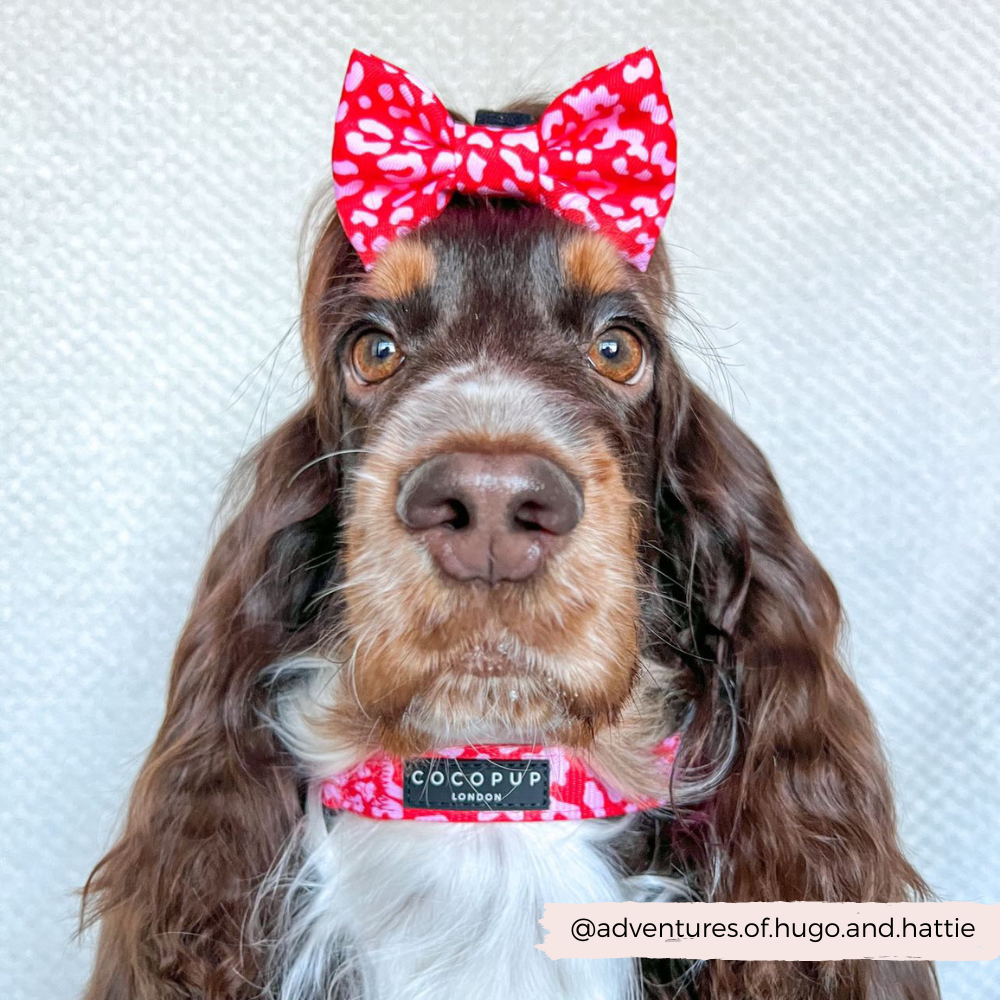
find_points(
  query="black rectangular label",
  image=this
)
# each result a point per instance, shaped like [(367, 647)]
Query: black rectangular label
[(447, 784)]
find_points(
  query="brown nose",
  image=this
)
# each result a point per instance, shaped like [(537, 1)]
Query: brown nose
[(489, 517)]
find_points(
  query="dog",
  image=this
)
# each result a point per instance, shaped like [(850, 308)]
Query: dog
[(505, 517)]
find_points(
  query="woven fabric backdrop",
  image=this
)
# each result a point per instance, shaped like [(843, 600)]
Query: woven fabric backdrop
[(835, 234)]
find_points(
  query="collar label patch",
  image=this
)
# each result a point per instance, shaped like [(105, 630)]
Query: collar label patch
[(444, 783)]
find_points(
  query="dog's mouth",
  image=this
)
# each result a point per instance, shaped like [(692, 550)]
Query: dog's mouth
[(492, 684), (484, 693), (491, 659)]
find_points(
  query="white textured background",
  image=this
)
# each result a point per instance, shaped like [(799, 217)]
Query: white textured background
[(836, 232)]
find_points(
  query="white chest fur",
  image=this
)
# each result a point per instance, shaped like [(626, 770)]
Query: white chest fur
[(432, 911)]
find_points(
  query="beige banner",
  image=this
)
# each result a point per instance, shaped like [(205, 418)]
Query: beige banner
[(955, 932)]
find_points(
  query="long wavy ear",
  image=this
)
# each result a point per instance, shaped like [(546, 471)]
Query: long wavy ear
[(216, 798), (781, 753)]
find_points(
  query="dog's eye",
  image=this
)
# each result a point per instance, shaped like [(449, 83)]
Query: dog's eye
[(376, 356), (617, 354)]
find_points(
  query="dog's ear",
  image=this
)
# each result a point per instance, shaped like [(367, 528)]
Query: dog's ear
[(216, 798), (781, 753)]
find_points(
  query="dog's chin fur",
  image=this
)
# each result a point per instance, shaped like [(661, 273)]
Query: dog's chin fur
[(465, 707), (319, 720), (482, 696)]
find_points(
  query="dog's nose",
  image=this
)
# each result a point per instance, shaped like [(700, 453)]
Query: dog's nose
[(489, 517)]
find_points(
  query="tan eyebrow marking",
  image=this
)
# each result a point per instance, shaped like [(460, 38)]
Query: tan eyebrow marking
[(402, 268), (592, 263)]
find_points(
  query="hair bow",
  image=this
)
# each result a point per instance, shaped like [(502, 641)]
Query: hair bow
[(602, 155)]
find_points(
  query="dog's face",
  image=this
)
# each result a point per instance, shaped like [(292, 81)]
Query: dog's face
[(497, 373)]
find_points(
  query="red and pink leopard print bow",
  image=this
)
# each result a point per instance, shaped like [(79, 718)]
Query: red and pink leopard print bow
[(602, 155), (375, 787)]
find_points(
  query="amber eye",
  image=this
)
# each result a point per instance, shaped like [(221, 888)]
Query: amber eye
[(617, 354), (376, 356)]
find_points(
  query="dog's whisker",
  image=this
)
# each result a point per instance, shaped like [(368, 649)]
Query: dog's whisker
[(326, 456)]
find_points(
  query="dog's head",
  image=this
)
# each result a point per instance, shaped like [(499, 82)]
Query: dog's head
[(499, 377)]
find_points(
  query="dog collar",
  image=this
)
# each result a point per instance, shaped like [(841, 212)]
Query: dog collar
[(484, 784)]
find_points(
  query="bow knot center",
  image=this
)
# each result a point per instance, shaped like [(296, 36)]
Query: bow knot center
[(497, 161)]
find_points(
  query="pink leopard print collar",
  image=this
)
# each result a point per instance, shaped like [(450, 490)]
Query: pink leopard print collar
[(484, 784)]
